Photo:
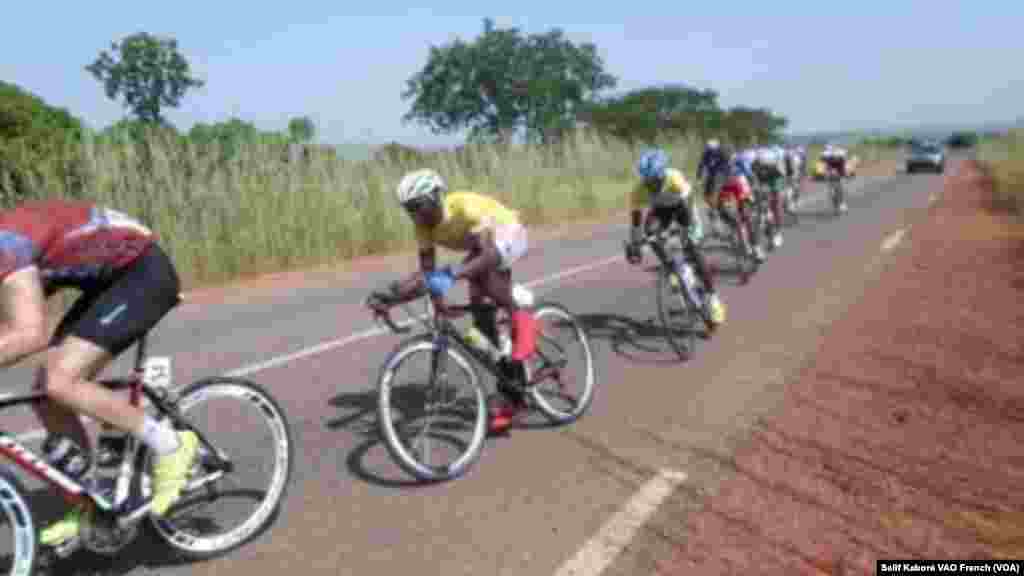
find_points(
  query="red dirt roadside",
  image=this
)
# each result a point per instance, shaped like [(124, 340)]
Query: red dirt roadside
[(902, 437)]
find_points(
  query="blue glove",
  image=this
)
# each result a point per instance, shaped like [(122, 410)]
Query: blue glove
[(440, 281)]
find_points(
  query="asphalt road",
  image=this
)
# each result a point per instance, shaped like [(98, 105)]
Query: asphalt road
[(536, 499)]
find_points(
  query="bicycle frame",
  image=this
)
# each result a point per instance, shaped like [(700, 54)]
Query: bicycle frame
[(77, 492), (657, 244), (438, 322)]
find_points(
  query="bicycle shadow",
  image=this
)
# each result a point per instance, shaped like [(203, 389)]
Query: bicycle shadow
[(642, 342), (146, 552), (723, 263), (357, 414)]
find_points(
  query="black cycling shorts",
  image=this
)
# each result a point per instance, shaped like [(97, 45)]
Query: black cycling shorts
[(117, 313), (665, 215)]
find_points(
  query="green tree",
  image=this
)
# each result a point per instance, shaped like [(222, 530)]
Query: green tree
[(505, 82), (301, 129), (38, 146), (644, 114), (147, 71)]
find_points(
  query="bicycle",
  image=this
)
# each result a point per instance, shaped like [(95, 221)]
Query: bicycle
[(762, 220), (790, 198), (746, 262), (446, 345), (836, 190), (120, 501), (677, 282)]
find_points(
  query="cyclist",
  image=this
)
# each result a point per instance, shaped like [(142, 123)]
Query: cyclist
[(494, 238), (668, 193), (835, 158), (794, 168), (713, 164), (770, 169), (737, 190), (127, 285)]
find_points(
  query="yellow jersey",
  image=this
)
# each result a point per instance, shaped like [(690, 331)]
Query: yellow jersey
[(465, 214), (674, 189)]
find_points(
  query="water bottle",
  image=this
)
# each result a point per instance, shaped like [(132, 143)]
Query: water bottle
[(66, 455), (523, 296)]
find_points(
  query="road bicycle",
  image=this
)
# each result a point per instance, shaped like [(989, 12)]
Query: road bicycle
[(837, 192), (447, 349), (680, 292), (119, 491), (746, 262)]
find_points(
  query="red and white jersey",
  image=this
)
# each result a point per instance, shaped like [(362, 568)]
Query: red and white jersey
[(73, 243)]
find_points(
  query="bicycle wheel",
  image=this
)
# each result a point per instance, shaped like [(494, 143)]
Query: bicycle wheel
[(678, 315), (19, 557), (435, 393), (235, 408), (837, 196), (745, 262), (790, 206), (558, 364)]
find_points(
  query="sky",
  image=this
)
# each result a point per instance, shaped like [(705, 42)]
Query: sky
[(826, 66)]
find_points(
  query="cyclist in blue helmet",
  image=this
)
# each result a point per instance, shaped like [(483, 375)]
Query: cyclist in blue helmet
[(667, 192)]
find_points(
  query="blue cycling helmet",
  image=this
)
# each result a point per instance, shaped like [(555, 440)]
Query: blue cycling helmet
[(652, 164)]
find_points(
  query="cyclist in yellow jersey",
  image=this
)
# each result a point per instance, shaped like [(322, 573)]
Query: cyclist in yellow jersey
[(494, 237), (668, 194)]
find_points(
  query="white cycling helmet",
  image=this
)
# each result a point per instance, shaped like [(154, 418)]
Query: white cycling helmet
[(713, 144), (425, 183)]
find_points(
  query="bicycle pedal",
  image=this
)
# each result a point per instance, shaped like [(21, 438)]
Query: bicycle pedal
[(67, 548)]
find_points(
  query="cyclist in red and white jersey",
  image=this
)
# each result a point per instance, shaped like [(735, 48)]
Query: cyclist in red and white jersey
[(127, 285)]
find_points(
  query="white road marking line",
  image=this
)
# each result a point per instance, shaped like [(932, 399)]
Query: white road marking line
[(243, 371), (602, 549), (892, 240)]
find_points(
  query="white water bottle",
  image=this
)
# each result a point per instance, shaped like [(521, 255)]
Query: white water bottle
[(523, 296)]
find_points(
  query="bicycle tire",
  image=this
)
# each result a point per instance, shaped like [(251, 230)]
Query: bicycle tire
[(540, 310), (402, 456), (197, 548), (685, 345), (745, 262), (14, 507)]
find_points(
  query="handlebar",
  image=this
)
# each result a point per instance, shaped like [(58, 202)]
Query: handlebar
[(660, 235), (435, 307)]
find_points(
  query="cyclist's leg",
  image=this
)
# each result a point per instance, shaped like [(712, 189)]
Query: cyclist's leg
[(777, 186), (58, 419), (484, 314), (685, 218), (496, 284), (122, 313)]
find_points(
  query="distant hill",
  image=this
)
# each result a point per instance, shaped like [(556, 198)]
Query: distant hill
[(923, 131)]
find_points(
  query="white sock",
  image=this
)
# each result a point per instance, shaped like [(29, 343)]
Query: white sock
[(159, 437)]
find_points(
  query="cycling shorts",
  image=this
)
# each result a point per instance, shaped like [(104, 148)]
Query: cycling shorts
[(115, 314)]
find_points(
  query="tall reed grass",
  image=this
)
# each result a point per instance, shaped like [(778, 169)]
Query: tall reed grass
[(1003, 159), (265, 210)]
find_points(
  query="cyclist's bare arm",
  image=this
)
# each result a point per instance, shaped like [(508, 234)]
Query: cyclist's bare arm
[(414, 286), (481, 244), (23, 331)]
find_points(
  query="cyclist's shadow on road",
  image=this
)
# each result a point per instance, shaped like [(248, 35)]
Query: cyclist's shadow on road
[(639, 341), (369, 460)]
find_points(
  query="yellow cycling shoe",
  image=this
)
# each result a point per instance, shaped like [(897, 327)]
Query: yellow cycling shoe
[(170, 473), (717, 309), (66, 528)]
